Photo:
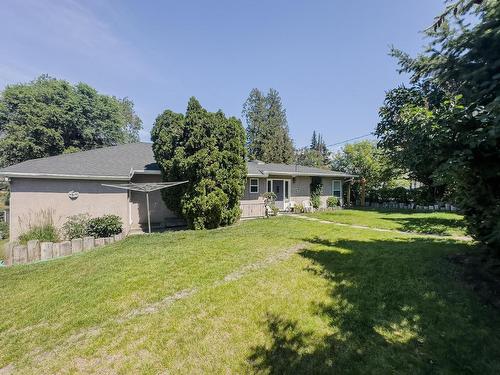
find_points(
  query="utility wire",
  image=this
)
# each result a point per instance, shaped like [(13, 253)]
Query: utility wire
[(348, 140)]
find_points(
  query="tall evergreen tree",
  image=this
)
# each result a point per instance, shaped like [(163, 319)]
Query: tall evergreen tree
[(255, 114), (314, 141), (208, 150), (279, 146), (268, 136), (317, 155)]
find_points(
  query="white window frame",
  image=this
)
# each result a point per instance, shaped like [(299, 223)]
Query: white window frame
[(252, 186), (335, 190)]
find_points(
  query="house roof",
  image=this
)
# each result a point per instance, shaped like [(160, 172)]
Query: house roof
[(111, 163), (122, 161), (259, 169)]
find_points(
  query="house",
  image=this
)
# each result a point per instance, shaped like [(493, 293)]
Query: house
[(70, 184)]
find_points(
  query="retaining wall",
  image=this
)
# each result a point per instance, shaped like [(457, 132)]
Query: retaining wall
[(35, 250)]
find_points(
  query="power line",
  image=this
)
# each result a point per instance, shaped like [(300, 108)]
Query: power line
[(348, 140)]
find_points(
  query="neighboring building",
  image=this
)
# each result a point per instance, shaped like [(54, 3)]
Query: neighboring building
[(71, 184)]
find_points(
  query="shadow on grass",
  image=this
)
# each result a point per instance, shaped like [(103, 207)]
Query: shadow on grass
[(394, 307), (430, 225)]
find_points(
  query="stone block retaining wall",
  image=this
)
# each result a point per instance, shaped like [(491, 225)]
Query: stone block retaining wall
[(35, 250)]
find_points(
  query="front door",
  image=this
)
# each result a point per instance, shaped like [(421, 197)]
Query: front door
[(282, 190), (278, 189)]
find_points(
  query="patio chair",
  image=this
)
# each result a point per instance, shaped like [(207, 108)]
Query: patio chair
[(308, 206)]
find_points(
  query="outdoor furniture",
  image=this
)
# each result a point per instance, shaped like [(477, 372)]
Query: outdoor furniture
[(308, 206), (291, 206)]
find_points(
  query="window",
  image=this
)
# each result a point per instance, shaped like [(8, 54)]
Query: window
[(269, 186), (254, 185), (286, 190), (337, 188)]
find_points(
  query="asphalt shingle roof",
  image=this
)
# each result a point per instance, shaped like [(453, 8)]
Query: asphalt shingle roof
[(256, 167), (119, 161), (114, 161)]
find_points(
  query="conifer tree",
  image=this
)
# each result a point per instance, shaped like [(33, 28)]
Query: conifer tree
[(207, 150), (268, 136)]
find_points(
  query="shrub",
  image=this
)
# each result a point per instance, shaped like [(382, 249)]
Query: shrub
[(76, 226), (44, 233), (269, 197), (316, 188), (299, 208), (332, 202), (315, 201), (206, 211), (400, 194), (421, 196), (4, 230), (104, 226), (41, 227), (316, 197), (6, 198)]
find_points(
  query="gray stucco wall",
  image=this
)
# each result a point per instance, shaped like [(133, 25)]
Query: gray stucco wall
[(247, 196), (300, 188), (30, 196)]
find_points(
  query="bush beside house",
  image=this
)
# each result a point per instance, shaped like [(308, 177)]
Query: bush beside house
[(41, 241), (104, 226), (43, 229), (4, 230), (207, 150), (332, 202), (76, 226)]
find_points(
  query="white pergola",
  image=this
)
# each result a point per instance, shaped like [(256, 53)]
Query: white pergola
[(146, 187)]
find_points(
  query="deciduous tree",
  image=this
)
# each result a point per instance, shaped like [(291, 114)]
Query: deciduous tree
[(48, 117), (463, 61), (365, 160)]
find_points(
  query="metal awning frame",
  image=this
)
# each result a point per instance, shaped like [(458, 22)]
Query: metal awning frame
[(146, 187)]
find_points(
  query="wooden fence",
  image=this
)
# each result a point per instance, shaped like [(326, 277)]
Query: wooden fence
[(252, 209)]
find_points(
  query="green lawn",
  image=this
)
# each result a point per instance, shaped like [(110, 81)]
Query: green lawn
[(3, 255), (442, 223), (238, 300)]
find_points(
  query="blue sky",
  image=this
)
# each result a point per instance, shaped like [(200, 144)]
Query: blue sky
[(328, 59)]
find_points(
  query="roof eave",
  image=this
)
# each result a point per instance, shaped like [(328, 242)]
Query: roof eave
[(311, 174), (63, 176), (145, 171)]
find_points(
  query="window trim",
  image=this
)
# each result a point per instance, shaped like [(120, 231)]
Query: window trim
[(254, 186), (337, 190)]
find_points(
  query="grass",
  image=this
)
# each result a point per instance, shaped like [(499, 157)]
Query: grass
[(3, 255), (442, 223), (2, 241), (350, 301)]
